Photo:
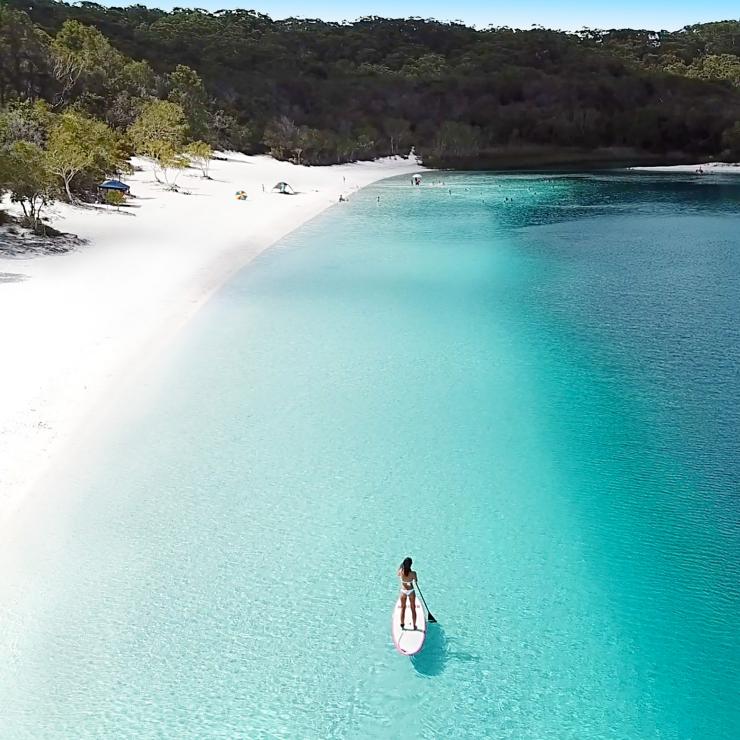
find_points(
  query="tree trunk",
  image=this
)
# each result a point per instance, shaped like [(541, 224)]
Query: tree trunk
[(67, 181)]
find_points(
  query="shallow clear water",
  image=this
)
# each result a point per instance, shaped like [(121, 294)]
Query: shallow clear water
[(536, 398)]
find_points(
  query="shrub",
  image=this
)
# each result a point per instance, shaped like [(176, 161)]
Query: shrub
[(114, 198)]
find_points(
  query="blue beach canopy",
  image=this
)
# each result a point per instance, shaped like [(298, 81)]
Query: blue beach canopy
[(114, 185)]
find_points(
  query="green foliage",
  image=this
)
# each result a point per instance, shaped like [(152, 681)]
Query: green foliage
[(720, 37), (29, 180), (284, 139), (4, 171), (168, 164), (200, 154), (398, 132), (716, 67), (318, 92), (25, 59), (84, 60), (123, 110), (82, 146), (24, 129), (114, 198), (456, 140), (225, 132), (138, 79), (159, 130), (428, 66), (25, 121), (159, 133), (187, 91), (731, 141)]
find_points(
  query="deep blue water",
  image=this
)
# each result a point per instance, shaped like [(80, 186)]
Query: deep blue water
[(528, 383)]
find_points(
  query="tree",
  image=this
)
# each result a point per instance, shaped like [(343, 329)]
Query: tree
[(4, 176), (731, 141), (80, 144), (397, 130), (200, 154), (281, 137), (426, 66), (138, 79), (226, 133), (159, 133), (169, 163), (25, 58), (187, 91), (288, 141), (25, 121), (82, 53), (716, 67), (457, 140), (160, 123), (123, 110), (29, 181), (320, 92), (365, 138)]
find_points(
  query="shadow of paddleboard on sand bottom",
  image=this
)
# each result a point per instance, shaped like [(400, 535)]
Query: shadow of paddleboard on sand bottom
[(437, 652), (432, 659)]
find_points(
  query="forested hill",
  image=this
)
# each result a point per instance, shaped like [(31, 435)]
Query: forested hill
[(322, 92)]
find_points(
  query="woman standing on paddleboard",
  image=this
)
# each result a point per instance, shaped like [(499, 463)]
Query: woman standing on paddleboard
[(407, 578)]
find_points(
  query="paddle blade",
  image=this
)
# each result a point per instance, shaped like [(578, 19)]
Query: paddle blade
[(430, 617)]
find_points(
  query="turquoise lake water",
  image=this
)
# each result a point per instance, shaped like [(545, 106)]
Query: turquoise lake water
[(530, 384)]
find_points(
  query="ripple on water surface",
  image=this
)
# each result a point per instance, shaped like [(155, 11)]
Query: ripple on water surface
[(529, 383)]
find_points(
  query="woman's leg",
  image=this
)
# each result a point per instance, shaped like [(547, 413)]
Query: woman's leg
[(412, 599), (403, 610)]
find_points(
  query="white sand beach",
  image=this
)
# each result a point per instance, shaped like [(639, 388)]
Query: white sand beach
[(75, 323), (717, 168)]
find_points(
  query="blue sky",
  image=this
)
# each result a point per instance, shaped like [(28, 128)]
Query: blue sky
[(567, 14)]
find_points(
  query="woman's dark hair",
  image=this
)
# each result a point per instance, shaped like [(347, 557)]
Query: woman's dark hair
[(406, 566)]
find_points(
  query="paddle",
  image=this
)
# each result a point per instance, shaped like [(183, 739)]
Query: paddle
[(430, 616)]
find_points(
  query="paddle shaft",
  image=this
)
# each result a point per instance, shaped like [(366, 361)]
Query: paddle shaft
[(430, 616)]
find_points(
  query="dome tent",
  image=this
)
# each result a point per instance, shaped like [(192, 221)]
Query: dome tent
[(284, 189)]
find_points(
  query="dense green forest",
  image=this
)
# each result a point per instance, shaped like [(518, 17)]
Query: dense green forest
[(84, 82)]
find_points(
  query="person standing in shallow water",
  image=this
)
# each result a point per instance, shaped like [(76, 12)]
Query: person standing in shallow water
[(407, 578)]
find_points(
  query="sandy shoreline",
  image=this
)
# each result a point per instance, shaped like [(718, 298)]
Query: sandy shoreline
[(75, 323), (707, 168)]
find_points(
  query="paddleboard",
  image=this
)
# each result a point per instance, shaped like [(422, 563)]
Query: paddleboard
[(409, 641)]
